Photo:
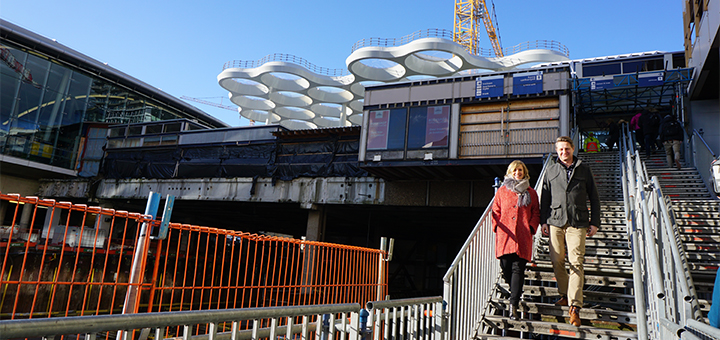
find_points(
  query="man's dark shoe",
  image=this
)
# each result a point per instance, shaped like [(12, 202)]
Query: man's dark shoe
[(575, 316), (562, 302)]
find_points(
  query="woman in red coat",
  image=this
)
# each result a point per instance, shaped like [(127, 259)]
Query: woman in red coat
[(515, 217)]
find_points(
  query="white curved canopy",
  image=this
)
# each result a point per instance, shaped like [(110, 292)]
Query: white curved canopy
[(302, 95)]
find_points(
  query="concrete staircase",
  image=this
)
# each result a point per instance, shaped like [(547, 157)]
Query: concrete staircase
[(609, 301)]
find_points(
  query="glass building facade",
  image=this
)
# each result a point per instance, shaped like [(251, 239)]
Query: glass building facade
[(47, 104)]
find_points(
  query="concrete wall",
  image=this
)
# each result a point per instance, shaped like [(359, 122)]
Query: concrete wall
[(705, 117), (17, 185)]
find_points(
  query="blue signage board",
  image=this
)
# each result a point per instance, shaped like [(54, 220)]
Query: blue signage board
[(650, 79), (599, 83), (527, 83), (486, 87)]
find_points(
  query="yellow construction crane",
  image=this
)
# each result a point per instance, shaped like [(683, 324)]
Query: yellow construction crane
[(468, 14)]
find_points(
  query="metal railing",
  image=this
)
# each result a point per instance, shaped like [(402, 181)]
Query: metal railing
[(288, 58), (702, 157), (473, 275), (407, 319), (447, 34), (60, 259), (665, 296), (389, 42), (415, 318), (538, 44), (308, 321)]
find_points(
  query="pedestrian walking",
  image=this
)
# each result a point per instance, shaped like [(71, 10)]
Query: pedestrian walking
[(613, 134), (567, 187), (671, 135), (636, 127), (650, 121), (592, 144), (515, 218)]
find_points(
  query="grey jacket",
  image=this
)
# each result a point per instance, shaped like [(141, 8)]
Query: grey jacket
[(565, 203)]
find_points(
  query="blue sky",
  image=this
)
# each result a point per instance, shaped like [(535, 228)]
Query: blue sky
[(181, 46)]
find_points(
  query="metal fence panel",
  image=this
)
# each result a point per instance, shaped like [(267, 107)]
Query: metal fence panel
[(63, 259)]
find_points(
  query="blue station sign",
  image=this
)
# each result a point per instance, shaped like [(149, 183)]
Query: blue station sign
[(599, 83), (527, 83), (487, 87)]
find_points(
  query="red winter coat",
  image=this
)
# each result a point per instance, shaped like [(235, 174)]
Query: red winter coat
[(514, 226)]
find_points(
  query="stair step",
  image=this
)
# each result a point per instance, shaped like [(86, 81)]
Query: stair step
[(548, 309), (618, 301), (705, 215), (559, 329), (600, 264), (598, 242), (590, 280)]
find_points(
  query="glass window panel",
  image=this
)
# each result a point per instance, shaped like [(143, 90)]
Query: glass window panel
[(643, 65), (52, 103), (135, 130), (132, 142), (115, 106), (169, 140), (156, 128), (386, 129), (9, 83), (25, 116), (97, 101), (396, 133), (66, 146), (416, 127), (115, 143), (438, 126), (117, 132), (151, 141), (76, 104), (591, 70), (10, 79), (173, 127), (428, 127)]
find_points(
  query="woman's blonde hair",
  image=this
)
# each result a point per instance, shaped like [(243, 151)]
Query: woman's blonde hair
[(514, 165)]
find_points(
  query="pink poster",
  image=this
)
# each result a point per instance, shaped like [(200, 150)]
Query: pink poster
[(378, 130), (438, 122)]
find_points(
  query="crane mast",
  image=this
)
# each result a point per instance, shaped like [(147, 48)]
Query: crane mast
[(468, 14)]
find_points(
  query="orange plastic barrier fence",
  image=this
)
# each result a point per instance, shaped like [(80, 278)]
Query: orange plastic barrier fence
[(63, 259)]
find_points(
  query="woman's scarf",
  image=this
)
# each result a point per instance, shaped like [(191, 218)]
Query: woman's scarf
[(520, 188)]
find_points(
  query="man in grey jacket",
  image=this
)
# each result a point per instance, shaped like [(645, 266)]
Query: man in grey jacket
[(566, 188)]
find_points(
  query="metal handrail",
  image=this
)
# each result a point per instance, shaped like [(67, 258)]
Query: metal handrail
[(412, 319), (696, 133), (402, 302), (289, 58), (665, 293), (466, 292), (447, 34), (400, 319), (47, 327), (702, 157), (388, 42)]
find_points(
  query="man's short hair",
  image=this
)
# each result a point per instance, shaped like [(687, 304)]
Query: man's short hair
[(565, 139)]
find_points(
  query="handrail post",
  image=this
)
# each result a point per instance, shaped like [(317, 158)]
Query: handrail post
[(140, 256)]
